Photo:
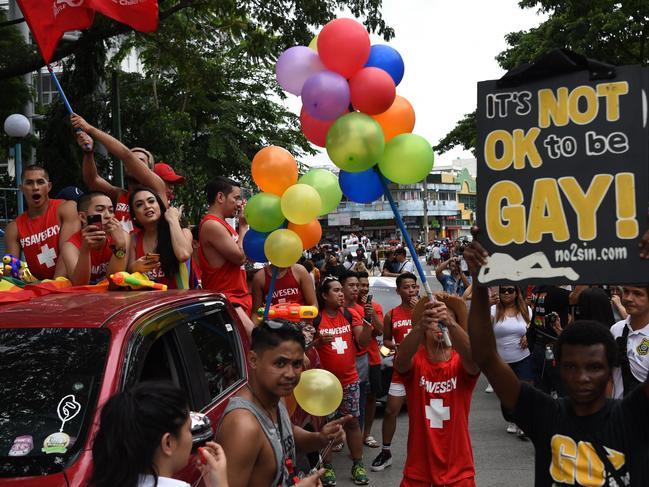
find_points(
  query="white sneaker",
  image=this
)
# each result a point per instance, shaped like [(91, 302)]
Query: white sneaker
[(489, 389), (512, 428)]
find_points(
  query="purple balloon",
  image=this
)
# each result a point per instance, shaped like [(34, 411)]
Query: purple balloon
[(294, 66), (325, 95)]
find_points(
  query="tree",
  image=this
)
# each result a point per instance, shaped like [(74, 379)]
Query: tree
[(610, 31)]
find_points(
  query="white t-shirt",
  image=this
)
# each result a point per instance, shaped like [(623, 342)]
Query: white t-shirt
[(407, 266), (509, 332), (436, 253), (637, 349), (149, 481)]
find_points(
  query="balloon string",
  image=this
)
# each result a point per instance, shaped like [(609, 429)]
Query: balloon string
[(271, 289), (323, 453)]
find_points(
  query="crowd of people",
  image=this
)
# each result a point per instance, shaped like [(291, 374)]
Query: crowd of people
[(569, 365)]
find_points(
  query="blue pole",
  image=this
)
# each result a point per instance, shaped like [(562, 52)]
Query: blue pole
[(60, 88), (18, 167), (271, 289)]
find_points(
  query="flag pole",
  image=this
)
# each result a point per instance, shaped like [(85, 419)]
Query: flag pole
[(413, 252)]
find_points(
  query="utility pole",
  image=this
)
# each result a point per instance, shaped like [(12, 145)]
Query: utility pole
[(425, 195)]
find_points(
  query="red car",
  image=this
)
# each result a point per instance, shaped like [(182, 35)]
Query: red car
[(63, 355)]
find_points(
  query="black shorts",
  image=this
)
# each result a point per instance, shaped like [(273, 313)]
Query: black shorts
[(375, 379)]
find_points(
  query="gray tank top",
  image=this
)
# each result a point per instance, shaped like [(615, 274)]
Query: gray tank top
[(282, 477)]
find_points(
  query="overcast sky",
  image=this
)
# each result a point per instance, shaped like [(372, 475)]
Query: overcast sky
[(447, 46)]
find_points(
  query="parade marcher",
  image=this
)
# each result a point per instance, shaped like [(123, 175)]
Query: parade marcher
[(162, 249), (169, 177), (221, 256), (401, 264), (43, 228), (632, 337), (256, 432), (454, 283), (439, 382), (100, 248), (339, 332), (583, 439), (138, 169), (331, 267), (396, 326), (146, 431)]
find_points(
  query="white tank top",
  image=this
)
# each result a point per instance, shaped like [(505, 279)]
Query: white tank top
[(508, 332)]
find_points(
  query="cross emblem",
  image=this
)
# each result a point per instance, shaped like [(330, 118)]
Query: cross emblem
[(339, 345), (437, 413), (127, 225), (47, 256)]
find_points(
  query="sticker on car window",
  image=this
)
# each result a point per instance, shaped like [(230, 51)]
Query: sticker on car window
[(22, 446), (67, 410), (56, 443), (228, 326)]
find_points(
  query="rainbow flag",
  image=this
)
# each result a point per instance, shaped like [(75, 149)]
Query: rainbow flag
[(16, 291)]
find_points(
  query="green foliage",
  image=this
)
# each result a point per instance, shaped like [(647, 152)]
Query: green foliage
[(464, 135)]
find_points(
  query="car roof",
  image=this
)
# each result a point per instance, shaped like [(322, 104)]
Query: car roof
[(92, 309)]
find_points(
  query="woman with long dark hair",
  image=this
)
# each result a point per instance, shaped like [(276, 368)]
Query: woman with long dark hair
[(162, 248), (145, 437), (510, 317)]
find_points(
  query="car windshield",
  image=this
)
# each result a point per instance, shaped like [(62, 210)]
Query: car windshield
[(49, 383)]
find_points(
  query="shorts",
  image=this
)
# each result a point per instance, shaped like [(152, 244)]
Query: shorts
[(376, 387), (397, 389), (363, 367), (408, 482), (351, 401)]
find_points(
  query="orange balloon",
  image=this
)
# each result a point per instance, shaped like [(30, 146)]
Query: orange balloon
[(310, 233), (274, 170), (398, 119)]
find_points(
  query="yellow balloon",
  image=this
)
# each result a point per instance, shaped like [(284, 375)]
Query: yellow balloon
[(283, 247), (301, 204), (314, 44), (319, 392)]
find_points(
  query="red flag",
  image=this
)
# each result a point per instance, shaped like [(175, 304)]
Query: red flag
[(50, 19), (142, 15)]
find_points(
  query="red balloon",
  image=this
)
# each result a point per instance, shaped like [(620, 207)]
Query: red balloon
[(372, 91), (344, 46), (313, 129)]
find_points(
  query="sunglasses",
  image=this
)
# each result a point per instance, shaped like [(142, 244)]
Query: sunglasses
[(507, 290), (282, 325)]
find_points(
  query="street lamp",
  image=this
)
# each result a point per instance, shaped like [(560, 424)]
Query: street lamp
[(17, 126)]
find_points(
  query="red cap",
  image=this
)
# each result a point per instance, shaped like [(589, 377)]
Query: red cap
[(166, 173)]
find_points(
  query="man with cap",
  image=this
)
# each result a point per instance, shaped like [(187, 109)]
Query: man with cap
[(169, 177)]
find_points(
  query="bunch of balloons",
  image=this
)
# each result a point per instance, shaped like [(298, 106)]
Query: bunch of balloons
[(350, 107), (283, 218)]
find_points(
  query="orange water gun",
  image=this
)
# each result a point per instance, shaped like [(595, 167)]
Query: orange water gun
[(136, 280), (291, 312)]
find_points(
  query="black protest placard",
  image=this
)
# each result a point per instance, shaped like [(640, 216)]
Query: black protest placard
[(562, 178)]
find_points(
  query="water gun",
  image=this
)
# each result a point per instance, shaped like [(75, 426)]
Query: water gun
[(24, 274), (136, 280), (10, 266), (291, 312)]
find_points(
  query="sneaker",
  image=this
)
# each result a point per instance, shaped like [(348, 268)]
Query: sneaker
[(512, 428), (383, 461), (359, 475), (328, 478), (489, 389)]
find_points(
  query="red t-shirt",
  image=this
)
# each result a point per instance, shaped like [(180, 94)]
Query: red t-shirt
[(401, 319), (287, 289), (229, 279), (339, 357), (122, 212), (439, 400), (39, 239), (373, 347), (156, 275), (99, 259)]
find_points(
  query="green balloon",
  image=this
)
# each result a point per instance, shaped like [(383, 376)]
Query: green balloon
[(326, 184), (355, 142), (407, 159), (264, 212)]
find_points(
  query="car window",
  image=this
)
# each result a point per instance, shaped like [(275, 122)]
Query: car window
[(49, 383), (220, 352)]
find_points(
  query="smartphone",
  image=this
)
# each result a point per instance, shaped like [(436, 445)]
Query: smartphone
[(369, 299), (153, 257), (96, 220)]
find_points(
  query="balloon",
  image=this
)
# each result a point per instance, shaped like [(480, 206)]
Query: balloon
[(388, 59), (310, 234), (283, 248), (301, 203), (361, 187), (313, 129), (264, 212), (326, 184), (325, 95), (253, 245), (319, 392), (344, 46), (355, 142), (274, 169), (398, 119), (372, 91), (294, 66), (314, 44), (407, 159)]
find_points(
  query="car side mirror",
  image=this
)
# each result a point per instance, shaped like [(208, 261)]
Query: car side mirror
[(201, 430)]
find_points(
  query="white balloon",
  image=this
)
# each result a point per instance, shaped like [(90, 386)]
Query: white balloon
[(17, 125)]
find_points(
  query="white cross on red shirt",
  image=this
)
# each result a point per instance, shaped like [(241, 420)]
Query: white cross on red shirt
[(437, 413), (47, 256), (339, 345)]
